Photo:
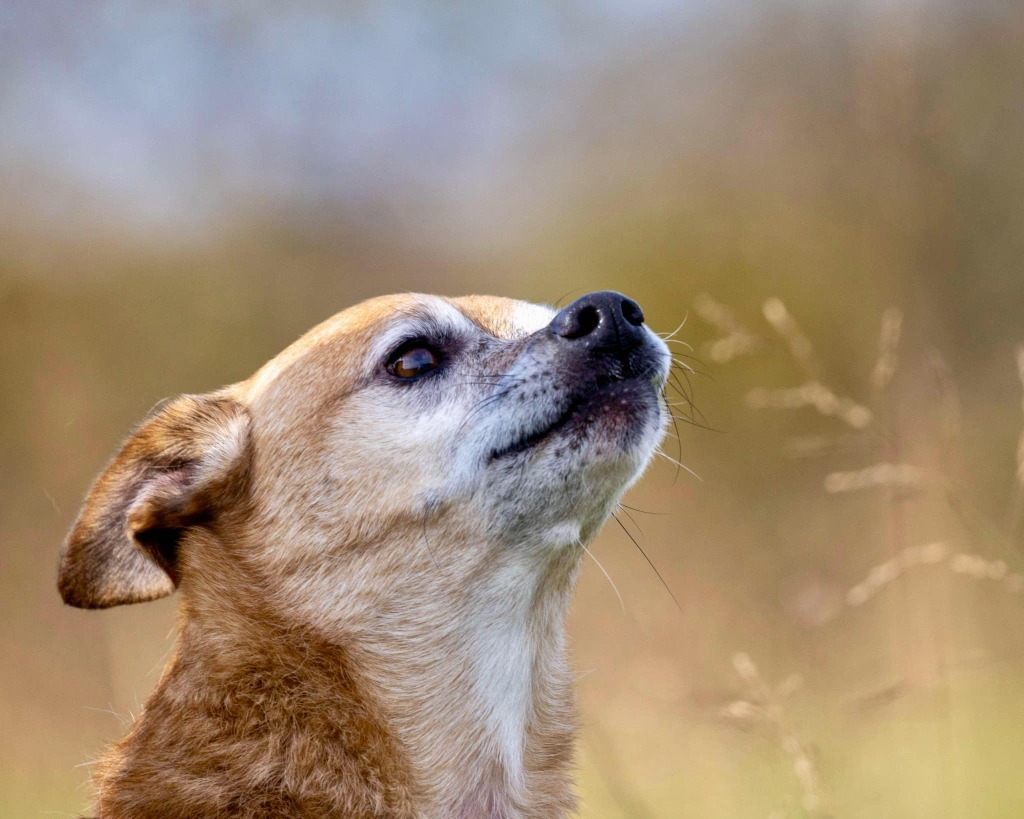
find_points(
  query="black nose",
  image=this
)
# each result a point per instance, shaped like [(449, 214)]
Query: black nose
[(604, 320)]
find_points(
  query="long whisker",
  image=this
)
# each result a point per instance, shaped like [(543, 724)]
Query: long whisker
[(679, 442), (604, 571), (483, 404), (690, 421), (649, 562), (496, 378), (632, 519), (697, 367), (695, 418), (641, 511), (678, 387), (687, 394), (674, 377), (566, 294), (426, 512), (680, 464), (680, 327), (683, 364)]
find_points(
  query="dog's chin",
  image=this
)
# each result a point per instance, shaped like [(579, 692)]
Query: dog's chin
[(575, 469)]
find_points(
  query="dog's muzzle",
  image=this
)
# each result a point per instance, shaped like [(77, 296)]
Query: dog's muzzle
[(596, 366)]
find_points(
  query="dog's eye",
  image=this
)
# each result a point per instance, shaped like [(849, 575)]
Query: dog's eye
[(413, 360)]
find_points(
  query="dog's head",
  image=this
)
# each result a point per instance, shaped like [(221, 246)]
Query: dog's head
[(404, 445)]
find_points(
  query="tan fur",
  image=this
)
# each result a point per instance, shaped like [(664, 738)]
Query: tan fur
[(358, 621)]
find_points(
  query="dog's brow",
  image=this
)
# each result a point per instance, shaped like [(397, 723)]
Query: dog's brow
[(433, 320)]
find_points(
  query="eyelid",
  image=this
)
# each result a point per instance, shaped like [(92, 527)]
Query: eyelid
[(411, 343)]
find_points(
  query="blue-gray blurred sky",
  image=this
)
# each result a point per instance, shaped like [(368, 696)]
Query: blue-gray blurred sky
[(168, 116)]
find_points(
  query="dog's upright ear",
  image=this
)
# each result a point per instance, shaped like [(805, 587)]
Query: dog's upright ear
[(179, 469)]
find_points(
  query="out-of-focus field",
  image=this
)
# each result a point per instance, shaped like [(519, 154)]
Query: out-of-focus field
[(832, 196)]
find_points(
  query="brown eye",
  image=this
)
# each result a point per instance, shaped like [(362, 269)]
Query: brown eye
[(413, 361)]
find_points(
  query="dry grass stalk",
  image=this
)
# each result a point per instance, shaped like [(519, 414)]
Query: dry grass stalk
[(948, 406), (888, 349), (800, 347), (1013, 519), (735, 341), (895, 476), (812, 394), (817, 445), (968, 564), (762, 705), (1020, 446)]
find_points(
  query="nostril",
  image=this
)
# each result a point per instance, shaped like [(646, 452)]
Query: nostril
[(587, 320), (576, 321), (632, 313)]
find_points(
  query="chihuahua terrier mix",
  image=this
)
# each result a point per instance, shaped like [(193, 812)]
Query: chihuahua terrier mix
[(376, 538)]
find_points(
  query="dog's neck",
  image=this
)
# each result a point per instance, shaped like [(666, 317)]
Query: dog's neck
[(484, 700), (459, 706)]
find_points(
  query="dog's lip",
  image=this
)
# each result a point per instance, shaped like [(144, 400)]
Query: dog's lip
[(572, 409), (531, 439)]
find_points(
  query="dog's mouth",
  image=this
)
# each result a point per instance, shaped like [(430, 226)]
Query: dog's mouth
[(608, 395), (534, 438)]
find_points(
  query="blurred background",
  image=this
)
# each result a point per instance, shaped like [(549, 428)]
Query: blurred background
[(831, 194)]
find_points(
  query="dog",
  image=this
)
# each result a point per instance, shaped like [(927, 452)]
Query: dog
[(376, 538)]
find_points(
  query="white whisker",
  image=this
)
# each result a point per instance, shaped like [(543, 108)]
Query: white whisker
[(605, 573), (672, 460), (680, 327)]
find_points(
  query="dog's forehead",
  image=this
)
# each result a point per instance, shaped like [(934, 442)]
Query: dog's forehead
[(504, 318), (384, 322), (497, 316)]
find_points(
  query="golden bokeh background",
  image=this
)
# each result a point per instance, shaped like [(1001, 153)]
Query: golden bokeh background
[(831, 194)]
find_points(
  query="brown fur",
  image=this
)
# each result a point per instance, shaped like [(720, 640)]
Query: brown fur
[(275, 725)]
